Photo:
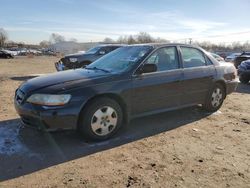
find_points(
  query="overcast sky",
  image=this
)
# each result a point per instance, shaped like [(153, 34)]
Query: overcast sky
[(31, 21)]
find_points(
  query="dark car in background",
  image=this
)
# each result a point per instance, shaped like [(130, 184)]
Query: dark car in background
[(74, 61), (130, 82), (231, 57), (244, 71), (6, 55), (242, 57)]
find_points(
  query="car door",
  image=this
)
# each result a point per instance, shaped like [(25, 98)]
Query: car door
[(161, 89), (198, 75)]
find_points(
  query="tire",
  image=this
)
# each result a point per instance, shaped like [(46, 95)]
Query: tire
[(215, 98), (244, 80), (101, 119)]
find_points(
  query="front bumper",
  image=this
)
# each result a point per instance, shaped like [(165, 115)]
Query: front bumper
[(48, 118), (59, 66), (231, 86)]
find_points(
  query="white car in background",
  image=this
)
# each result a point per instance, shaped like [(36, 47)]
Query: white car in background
[(231, 57), (14, 53)]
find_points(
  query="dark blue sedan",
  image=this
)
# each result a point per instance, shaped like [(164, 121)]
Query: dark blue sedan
[(131, 81)]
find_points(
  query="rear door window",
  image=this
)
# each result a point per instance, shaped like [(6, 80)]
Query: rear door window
[(192, 57)]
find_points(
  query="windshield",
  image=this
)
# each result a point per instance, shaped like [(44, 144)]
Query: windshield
[(121, 59), (93, 50)]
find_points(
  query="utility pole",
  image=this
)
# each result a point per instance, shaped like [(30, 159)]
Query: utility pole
[(190, 40)]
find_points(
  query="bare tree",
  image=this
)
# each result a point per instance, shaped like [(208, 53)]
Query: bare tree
[(131, 40), (144, 37), (246, 46), (21, 45), (3, 37), (223, 47), (10, 42), (141, 37), (73, 40), (44, 44), (122, 40), (161, 40), (108, 40), (55, 38)]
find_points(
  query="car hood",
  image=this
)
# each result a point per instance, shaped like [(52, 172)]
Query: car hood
[(77, 55), (64, 78)]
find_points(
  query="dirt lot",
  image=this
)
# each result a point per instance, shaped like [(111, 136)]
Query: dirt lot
[(184, 148)]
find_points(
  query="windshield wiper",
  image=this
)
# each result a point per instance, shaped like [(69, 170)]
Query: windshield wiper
[(95, 68)]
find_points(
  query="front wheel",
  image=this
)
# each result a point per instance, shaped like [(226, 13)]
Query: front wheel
[(100, 119), (215, 98)]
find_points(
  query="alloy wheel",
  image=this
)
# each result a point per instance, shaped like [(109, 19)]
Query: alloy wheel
[(217, 97), (104, 121)]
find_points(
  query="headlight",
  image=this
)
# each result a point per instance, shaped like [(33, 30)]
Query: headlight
[(49, 100), (73, 60)]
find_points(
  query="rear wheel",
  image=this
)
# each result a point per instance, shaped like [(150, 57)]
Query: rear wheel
[(215, 98), (101, 119)]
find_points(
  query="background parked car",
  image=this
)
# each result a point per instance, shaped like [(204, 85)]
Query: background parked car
[(48, 52), (217, 57), (222, 54), (74, 61), (244, 71), (12, 52), (242, 57), (231, 57), (4, 54)]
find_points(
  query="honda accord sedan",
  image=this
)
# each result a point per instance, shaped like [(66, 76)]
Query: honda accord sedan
[(132, 81)]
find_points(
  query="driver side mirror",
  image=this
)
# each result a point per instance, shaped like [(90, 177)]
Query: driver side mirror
[(147, 68), (102, 52)]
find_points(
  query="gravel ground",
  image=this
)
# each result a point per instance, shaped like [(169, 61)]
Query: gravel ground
[(183, 148)]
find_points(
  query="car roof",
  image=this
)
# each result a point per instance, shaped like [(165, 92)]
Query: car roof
[(154, 45), (115, 45), (158, 45), (245, 54)]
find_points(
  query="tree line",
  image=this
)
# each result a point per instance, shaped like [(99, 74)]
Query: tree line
[(141, 37)]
